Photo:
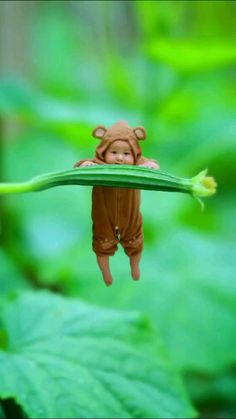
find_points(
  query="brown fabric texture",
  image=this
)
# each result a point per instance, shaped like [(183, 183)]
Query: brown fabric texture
[(116, 219), (116, 211)]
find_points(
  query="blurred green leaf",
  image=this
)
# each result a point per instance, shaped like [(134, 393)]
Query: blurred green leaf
[(111, 362), (44, 227), (11, 279), (188, 57), (54, 37), (154, 19), (18, 99)]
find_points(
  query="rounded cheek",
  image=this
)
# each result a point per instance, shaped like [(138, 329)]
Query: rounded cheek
[(108, 158), (130, 160)]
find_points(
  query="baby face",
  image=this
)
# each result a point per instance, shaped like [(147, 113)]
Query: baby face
[(119, 152)]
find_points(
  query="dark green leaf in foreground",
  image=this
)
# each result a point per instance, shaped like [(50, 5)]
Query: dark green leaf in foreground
[(2, 415), (68, 359)]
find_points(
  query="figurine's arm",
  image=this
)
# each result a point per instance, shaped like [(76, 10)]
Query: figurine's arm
[(150, 163), (83, 163)]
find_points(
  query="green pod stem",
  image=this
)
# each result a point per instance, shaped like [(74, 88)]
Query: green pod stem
[(118, 176)]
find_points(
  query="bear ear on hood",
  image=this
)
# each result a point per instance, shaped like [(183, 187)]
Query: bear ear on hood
[(140, 133), (99, 131)]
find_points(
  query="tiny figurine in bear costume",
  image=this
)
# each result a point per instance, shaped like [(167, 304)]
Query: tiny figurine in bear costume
[(116, 211)]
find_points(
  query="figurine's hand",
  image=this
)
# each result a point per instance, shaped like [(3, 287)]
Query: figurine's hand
[(88, 163), (150, 165)]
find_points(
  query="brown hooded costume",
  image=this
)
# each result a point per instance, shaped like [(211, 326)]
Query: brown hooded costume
[(116, 211)]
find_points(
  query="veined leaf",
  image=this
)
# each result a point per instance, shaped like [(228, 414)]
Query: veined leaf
[(68, 359)]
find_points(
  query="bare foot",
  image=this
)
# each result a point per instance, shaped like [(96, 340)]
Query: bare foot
[(103, 263), (135, 272), (107, 279), (134, 264)]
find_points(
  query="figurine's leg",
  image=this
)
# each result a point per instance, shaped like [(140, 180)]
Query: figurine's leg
[(133, 247), (103, 263), (134, 264)]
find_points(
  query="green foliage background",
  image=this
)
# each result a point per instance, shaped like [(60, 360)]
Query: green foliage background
[(163, 347)]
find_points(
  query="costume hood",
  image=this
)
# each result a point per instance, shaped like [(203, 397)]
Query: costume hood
[(119, 131)]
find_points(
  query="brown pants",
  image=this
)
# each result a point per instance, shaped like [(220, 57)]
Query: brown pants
[(116, 219), (108, 246)]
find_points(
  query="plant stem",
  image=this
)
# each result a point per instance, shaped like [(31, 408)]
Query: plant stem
[(131, 177)]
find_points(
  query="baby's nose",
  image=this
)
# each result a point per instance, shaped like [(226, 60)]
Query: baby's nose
[(119, 157)]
